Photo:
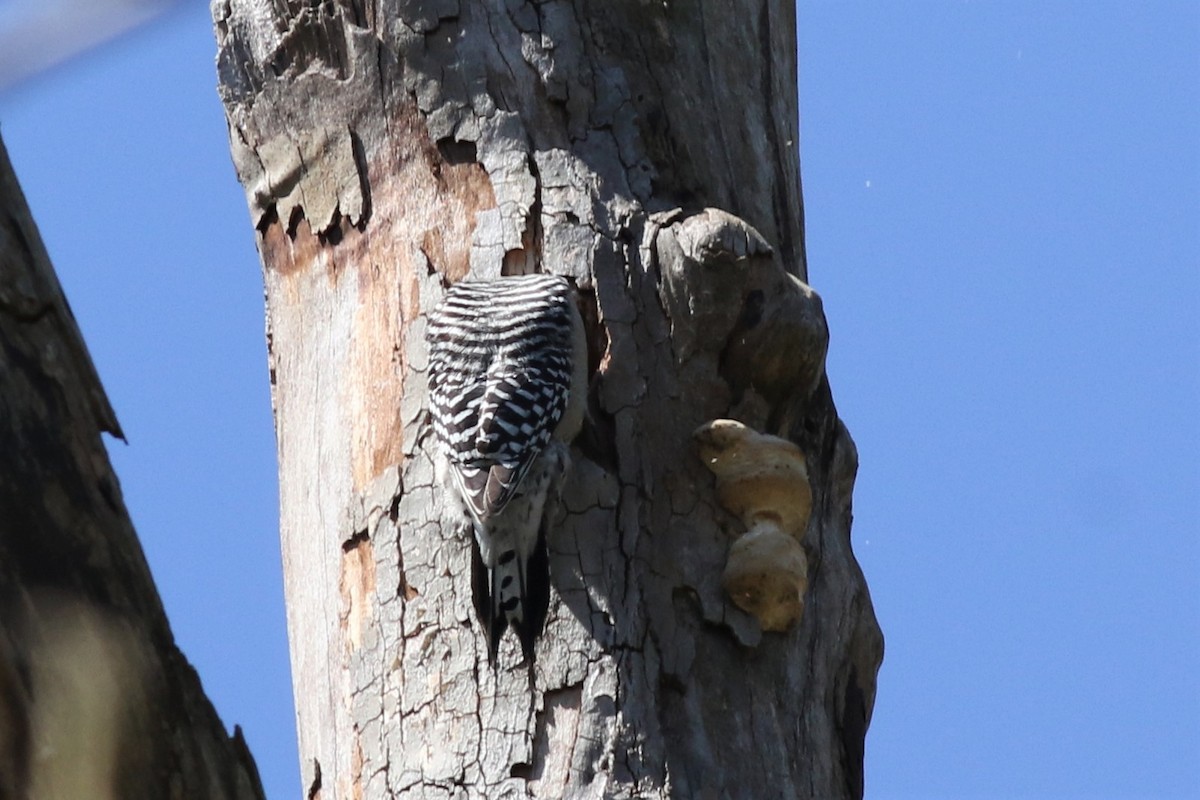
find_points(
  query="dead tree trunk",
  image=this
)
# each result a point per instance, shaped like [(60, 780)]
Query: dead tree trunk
[(648, 151), (95, 699)]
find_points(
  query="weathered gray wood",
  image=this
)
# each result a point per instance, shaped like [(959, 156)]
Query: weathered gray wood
[(389, 148), (95, 699)]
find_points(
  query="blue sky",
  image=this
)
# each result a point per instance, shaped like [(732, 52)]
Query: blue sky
[(1003, 217)]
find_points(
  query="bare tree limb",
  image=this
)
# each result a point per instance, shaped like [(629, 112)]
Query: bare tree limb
[(96, 701), (649, 152)]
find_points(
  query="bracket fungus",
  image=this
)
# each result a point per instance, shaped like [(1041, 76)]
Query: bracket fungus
[(764, 480)]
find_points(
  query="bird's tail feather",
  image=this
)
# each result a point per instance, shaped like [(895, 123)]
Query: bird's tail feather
[(512, 593), (535, 597)]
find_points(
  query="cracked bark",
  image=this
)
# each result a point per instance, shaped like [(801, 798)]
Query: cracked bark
[(390, 148), (95, 698)]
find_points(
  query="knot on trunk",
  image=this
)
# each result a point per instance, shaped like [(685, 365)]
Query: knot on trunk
[(728, 295)]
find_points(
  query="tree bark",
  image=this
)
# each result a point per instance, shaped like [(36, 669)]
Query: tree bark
[(648, 151), (96, 701)]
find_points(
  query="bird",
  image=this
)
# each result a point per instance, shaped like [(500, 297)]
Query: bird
[(507, 395)]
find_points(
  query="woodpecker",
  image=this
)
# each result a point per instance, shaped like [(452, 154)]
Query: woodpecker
[(507, 393)]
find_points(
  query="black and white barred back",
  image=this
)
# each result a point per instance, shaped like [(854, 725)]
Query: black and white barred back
[(503, 356)]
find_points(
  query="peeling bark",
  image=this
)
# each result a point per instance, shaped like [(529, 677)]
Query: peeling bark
[(648, 151), (95, 699)]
